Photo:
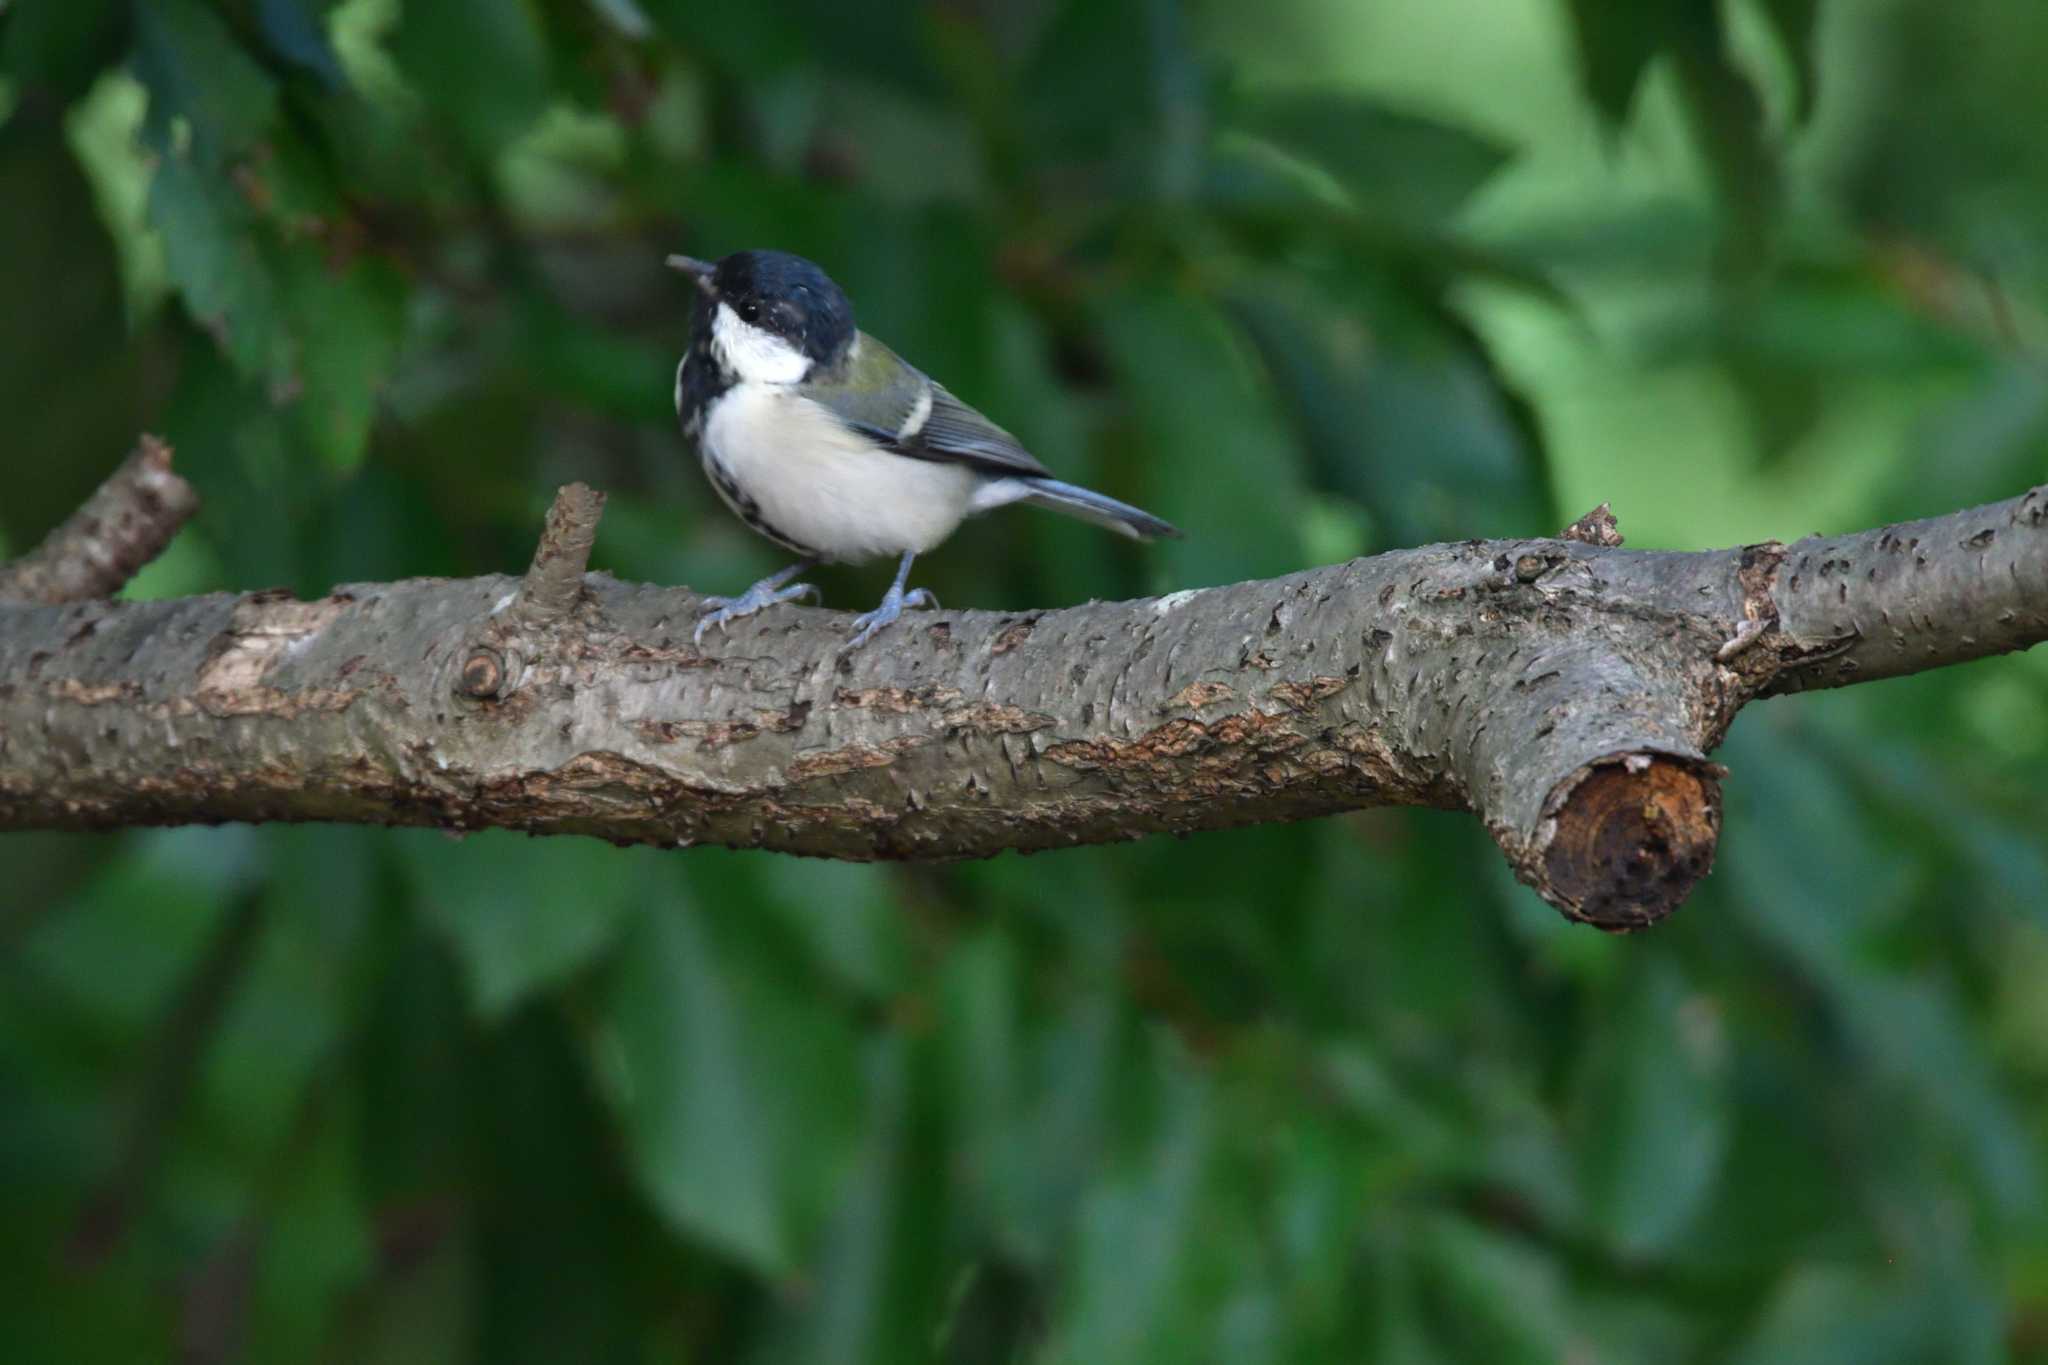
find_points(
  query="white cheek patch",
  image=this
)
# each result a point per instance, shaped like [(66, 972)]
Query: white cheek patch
[(754, 355)]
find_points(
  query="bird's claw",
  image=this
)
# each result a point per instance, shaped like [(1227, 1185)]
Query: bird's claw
[(893, 606), (757, 598)]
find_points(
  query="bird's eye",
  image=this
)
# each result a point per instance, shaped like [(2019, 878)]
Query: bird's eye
[(750, 311)]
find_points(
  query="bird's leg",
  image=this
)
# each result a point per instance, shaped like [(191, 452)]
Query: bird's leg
[(766, 593), (893, 603)]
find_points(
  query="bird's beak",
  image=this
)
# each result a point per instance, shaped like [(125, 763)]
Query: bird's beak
[(700, 271)]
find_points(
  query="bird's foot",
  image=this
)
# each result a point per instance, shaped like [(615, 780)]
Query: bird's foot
[(894, 603), (762, 595)]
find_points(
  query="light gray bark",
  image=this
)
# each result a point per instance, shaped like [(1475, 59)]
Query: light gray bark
[(123, 525), (1567, 692)]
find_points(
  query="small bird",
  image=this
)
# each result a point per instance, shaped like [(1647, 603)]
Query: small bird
[(826, 442)]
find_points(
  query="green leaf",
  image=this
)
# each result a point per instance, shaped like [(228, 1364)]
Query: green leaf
[(1728, 123), (731, 1088), (350, 322), (223, 264), (1117, 89), (983, 1058), (1398, 409), (1203, 415), (568, 1251), (1503, 1300), (521, 913), (68, 377), (199, 75), (1913, 1038), (1616, 43), (846, 916), (877, 1286), (61, 45), (117, 950), (483, 64), (293, 1005), (1795, 22), (1395, 165), (317, 1248), (1652, 1112), (1833, 1316), (210, 104), (1132, 1294), (754, 41), (297, 31)]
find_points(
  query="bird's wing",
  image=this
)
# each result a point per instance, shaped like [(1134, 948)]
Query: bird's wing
[(889, 400)]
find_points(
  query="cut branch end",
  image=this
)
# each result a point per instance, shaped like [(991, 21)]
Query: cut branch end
[(1633, 837)]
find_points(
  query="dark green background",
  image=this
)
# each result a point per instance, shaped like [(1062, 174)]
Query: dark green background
[(1310, 278)]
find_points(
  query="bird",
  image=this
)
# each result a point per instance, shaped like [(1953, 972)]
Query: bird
[(825, 441)]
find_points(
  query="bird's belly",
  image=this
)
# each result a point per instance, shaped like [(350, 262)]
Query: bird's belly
[(793, 472)]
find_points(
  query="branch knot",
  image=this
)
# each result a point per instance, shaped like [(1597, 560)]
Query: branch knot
[(545, 602)]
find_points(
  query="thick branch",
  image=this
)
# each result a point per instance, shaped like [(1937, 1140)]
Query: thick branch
[(125, 523), (1566, 692)]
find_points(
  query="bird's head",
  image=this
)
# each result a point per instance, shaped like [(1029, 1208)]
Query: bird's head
[(770, 317)]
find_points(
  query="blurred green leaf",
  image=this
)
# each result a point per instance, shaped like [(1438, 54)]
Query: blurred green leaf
[(1497, 1298), (1398, 411), (565, 1264), (316, 1248), (730, 1091), (1133, 1295), (522, 913), (118, 950), (203, 85), (345, 359), (1395, 165), (753, 41), (1653, 1112), (1615, 44), (484, 65), (1796, 22), (1202, 413), (878, 1282), (845, 914), (224, 265), (1117, 89), (297, 31), (1833, 1316), (62, 46), (1728, 123), (69, 380)]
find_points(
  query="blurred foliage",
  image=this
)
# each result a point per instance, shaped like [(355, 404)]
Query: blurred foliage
[(1311, 277)]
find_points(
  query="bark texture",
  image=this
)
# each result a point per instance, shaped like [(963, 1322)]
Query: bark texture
[(126, 523), (1566, 691)]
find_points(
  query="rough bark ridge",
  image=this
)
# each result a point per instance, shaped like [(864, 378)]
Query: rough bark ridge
[(1566, 691)]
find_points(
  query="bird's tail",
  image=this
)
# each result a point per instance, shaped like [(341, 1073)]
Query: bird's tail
[(1090, 506)]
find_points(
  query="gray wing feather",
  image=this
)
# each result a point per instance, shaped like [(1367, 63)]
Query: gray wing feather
[(955, 431), (879, 394)]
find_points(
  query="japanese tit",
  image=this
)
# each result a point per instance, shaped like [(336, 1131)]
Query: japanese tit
[(828, 443)]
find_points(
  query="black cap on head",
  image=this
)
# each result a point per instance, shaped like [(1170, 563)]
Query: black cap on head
[(780, 293)]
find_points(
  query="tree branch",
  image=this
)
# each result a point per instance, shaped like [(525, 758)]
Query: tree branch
[(1566, 692), (126, 523)]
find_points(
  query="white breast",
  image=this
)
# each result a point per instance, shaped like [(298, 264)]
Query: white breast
[(826, 488)]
